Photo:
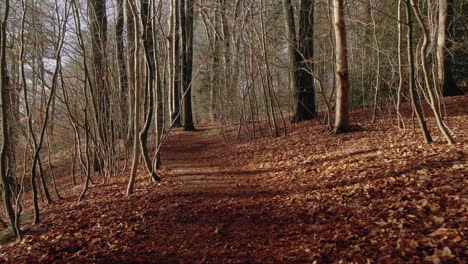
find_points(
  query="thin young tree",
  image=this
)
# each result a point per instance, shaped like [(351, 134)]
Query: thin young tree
[(431, 91), (137, 91), (176, 70), (415, 103), (122, 69)]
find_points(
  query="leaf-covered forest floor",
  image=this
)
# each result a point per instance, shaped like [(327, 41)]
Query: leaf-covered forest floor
[(376, 195)]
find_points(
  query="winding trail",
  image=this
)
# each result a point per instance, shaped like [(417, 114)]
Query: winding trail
[(213, 212)]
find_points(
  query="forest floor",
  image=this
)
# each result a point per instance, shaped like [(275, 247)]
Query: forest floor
[(376, 195)]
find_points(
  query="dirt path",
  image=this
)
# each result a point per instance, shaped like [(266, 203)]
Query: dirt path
[(213, 213)]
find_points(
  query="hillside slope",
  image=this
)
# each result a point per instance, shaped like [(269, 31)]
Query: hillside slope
[(377, 195)]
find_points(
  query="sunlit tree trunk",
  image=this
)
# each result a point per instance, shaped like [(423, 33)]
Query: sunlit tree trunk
[(342, 78)]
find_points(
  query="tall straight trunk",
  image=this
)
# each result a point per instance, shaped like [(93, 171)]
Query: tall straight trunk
[(137, 88), (4, 97), (305, 108), (176, 72), (293, 53), (123, 86), (401, 122), (159, 107), (129, 25), (377, 67), (226, 51), (186, 14), (341, 74)]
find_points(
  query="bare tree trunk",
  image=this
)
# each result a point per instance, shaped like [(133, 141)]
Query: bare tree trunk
[(176, 73), (4, 95), (123, 81), (342, 78), (305, 108), (137, 87), (159, 111), (401, 122), (412, 86), (149, 50), (430, 89), (294, 55), (129, 21), (187, 60), (377, 73), (446, 85), (100, 94)]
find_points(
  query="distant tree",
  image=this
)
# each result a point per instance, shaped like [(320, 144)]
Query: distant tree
[(176, 70), (122, 69), (446, 81)]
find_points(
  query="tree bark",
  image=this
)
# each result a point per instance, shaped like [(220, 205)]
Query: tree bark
[(149, 50), (293, 53), (342, 79), (123, 85), (137, 88), (186, 14), (176, 71), (100, 93), (129, 25), (305, 108), (447, 85), (412, 85), (433, 100), (4, 97)]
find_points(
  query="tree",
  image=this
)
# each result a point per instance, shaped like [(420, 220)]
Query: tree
[(186, 23), (305, 109), (301, 52), (341, 74), (149, 50), (137, 91), (122, 69), (431, 91), (100, 92), (4, 102), (446, 83), (415, 103), (175, 78)]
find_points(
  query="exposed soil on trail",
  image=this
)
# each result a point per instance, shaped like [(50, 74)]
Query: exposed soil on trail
[(377, 195)]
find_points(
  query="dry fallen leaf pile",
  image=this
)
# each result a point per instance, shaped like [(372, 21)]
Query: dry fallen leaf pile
[(372, 196)]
